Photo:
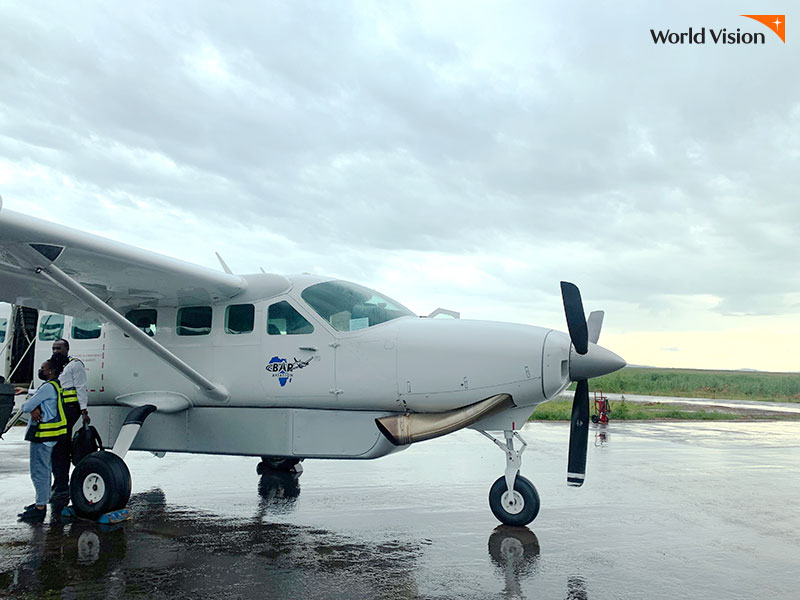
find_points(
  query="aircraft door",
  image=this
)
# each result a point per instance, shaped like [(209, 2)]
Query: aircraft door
[(299, 358)]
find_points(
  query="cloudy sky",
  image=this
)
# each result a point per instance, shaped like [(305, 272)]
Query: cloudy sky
[(468, 155)]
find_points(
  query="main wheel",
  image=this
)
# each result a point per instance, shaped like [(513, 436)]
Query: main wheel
[(276, 463), (517, 509), (99, 484)]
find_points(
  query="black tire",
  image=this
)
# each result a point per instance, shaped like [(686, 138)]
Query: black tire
[(100, 483), (595, 419), (527, 495), (280, 464)]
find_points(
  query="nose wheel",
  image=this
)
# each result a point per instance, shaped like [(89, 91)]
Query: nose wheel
[(513, 498), (516, 508)]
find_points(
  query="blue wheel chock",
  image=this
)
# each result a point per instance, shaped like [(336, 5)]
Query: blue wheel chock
[(109, 518)]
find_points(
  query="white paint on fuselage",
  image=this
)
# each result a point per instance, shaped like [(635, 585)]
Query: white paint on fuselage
[(409, 363)]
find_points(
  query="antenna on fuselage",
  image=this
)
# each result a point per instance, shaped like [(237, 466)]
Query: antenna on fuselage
[(225, 267)]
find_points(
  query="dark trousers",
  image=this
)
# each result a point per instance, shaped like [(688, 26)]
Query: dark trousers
[(62, 451)]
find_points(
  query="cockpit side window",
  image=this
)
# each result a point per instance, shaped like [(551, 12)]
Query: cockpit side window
[(3, 325), (283, 319), (349, 307)]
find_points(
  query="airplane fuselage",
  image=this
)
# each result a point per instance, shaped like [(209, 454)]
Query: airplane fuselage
[(314, 390)]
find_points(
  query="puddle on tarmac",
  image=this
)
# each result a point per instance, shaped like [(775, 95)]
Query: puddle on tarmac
[(670, 510)]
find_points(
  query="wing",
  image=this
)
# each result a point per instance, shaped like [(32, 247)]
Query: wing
[(123, 276)]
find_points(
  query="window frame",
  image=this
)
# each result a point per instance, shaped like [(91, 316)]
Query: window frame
[(228, 308), (206, 329), (46, 321), (98, 330), (154, 325)]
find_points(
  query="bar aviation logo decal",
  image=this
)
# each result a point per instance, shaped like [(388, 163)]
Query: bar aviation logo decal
[(284, 370), (703, 35)]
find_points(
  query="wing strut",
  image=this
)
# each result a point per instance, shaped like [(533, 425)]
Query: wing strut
[(213, 390)]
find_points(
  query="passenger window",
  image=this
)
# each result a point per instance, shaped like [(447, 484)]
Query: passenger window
[(144, 319), (85, 329), (283, 319), (194, 320), (3, 325), (51, 328), (239, 318)]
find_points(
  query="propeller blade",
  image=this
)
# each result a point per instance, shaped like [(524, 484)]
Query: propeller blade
[(595, 324), (576, 318), (578, 435)]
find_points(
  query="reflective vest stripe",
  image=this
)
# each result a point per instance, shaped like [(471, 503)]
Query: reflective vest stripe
[(50, 431), (70, 393)]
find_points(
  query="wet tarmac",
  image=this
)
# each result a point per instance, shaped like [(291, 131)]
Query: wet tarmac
[(669, 510)]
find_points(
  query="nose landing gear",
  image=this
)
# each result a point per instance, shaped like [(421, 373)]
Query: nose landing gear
[(513, 498)]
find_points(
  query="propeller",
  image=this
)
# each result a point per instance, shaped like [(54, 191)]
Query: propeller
[(584, 365), (576, 319), (595, 324), (578, 435)]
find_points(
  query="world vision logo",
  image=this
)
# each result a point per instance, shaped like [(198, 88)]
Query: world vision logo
[(777, 23)]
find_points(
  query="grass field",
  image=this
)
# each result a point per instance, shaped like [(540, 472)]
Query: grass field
[(683, 383), (688, 383), (561, 410)]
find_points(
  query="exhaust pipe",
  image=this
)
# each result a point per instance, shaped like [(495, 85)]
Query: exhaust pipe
[(417, 427)]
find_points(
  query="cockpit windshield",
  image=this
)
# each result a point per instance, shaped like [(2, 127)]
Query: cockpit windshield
[(349, 307)]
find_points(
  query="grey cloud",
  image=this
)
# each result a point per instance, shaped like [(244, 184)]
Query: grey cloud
[(563, 137)]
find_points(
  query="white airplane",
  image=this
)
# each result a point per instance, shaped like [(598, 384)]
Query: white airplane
[(283, 367)]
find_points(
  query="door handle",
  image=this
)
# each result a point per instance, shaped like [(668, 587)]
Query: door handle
[(308, 348)]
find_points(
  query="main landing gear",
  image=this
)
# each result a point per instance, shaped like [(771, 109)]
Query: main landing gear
[(512, 498), (101, 482), (281, 464)]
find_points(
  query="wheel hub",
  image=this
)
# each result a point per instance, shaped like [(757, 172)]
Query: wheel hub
[(512, 503), (94, 488)]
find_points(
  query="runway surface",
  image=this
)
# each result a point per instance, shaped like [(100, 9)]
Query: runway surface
[(669, 510)]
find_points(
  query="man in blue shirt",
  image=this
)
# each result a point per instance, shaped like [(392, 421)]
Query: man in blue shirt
[(46, 426)]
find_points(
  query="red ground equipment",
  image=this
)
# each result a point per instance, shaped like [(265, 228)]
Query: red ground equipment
[(602, 408)]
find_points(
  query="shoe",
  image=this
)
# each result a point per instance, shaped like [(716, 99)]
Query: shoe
[(34, 515), (30, 506)]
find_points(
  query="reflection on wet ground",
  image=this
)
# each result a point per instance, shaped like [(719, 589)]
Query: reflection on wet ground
[(668, 510), (515, 552), (168, 552)]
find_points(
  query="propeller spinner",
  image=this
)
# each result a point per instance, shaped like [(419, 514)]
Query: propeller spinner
[(589, 360)]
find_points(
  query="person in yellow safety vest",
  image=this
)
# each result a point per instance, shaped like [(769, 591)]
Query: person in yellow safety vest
[(76, 398), (46, 426)]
